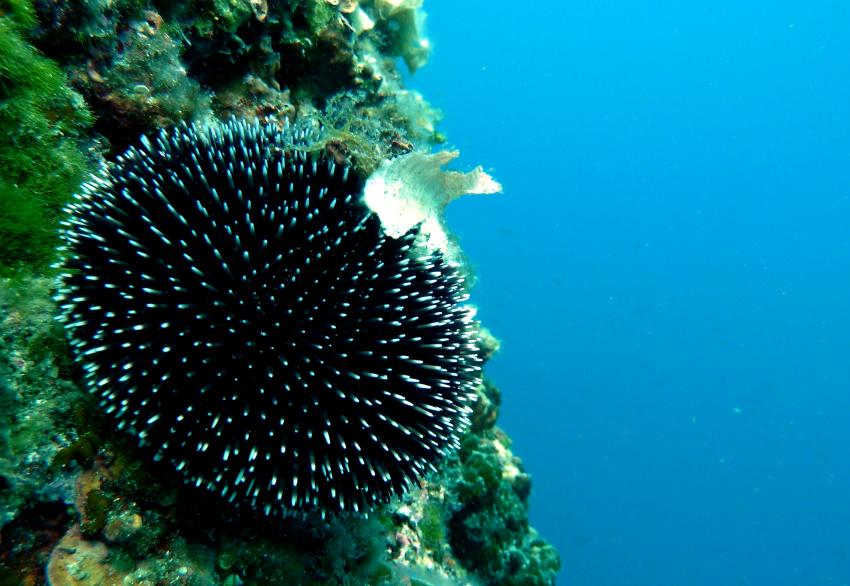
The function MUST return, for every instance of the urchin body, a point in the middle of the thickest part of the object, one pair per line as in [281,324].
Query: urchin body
[237,308]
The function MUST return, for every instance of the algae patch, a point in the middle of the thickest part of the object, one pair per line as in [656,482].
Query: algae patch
[41,122]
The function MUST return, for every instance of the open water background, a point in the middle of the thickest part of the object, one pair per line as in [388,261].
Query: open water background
[669,269]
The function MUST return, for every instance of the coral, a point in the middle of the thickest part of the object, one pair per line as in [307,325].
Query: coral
[40,125]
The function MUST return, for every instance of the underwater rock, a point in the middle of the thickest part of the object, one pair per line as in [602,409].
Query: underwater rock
[37,398]
[403,24]
[76,561]
[144,83]
[82,504]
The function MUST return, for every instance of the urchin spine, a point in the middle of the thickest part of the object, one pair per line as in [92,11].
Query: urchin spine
[235,307]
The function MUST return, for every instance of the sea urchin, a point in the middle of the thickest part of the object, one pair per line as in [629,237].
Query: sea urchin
[237,307]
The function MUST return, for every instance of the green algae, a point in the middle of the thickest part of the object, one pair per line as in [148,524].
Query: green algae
[432,529]
[96,507]
[41,122]
[218,16]
[21,12]
[82,451]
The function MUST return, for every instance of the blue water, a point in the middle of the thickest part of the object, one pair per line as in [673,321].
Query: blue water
[669,269]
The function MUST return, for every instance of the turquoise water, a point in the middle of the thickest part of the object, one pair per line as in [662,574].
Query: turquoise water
[669,269]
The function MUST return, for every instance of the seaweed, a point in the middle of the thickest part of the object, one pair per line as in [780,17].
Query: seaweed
[41,123]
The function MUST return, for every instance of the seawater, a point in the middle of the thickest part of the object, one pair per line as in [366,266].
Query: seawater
[669,270]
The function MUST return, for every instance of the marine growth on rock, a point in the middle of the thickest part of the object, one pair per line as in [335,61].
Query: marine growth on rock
[236,306]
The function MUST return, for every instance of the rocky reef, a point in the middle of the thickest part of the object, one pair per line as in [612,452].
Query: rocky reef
[79,503]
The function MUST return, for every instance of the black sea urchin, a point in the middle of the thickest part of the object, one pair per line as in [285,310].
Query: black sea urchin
[238,308]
